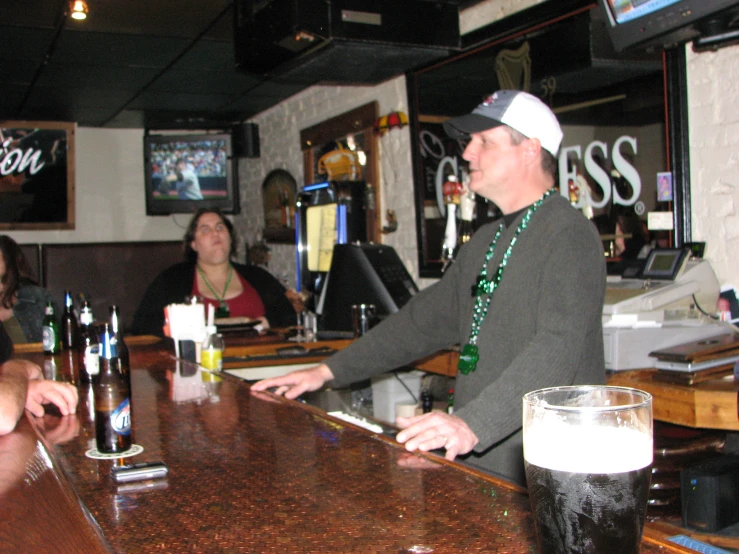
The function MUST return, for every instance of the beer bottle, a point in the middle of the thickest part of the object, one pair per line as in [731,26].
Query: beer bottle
[427,402]
[70,327]
[120,344]
[112,400]
[88,354]
[50,336]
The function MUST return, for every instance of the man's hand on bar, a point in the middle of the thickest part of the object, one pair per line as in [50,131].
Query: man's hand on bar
[296,383]
[436,430]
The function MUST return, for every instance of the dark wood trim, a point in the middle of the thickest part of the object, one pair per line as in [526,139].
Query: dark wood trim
[353,121]
[360,120]
[678,140]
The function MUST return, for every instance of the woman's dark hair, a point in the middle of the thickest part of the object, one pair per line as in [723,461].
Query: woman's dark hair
[17,270]
[190,254]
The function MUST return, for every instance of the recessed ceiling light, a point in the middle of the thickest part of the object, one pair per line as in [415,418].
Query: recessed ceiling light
[78,9]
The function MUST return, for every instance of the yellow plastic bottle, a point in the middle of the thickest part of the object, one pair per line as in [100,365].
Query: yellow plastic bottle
[211,353]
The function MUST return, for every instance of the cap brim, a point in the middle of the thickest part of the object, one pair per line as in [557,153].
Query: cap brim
[464,125]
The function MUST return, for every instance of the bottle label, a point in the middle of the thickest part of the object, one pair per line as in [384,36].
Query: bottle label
[212,359]
[86,318]
[48,338]
[120,419]
[92,359]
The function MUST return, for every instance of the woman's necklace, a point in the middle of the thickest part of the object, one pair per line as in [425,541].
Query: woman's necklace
[484,289]
[223,310]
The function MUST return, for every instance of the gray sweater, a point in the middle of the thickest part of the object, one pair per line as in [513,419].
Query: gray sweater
[543,328]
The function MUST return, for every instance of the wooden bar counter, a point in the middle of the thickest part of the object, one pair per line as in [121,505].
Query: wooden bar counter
[248,472]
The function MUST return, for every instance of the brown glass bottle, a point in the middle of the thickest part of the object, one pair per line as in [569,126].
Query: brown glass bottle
[112,400]
[88,355]
[70,326]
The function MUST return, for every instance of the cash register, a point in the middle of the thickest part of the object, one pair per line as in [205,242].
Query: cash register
[669,301]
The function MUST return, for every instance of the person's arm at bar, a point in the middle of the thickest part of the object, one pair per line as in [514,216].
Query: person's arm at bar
[14,378]
[21,387]
[296,383]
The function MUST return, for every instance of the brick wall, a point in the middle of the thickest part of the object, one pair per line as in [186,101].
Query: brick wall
[713,98]
[279,130]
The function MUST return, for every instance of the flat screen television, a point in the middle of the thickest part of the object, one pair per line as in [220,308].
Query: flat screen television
[187,172]
[659,23]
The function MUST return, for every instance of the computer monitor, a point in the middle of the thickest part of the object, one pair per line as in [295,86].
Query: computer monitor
[363,274]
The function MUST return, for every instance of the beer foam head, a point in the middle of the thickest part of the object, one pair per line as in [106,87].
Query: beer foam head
[587,449]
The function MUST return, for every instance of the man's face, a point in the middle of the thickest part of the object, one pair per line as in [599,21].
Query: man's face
[494,163]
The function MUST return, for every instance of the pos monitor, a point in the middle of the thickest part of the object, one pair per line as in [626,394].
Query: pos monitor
[363,274]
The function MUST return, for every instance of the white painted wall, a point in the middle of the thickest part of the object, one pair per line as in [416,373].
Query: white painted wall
[110,201]
[713,99]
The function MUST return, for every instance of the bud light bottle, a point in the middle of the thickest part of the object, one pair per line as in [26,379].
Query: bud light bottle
[112,401]
[88,348]
[124,358]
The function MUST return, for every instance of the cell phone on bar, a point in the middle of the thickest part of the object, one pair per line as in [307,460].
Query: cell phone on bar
[139,472]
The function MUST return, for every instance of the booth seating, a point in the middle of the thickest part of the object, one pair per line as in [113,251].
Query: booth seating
[106,273]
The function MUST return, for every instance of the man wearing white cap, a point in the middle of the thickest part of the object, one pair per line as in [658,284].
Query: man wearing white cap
[523,299]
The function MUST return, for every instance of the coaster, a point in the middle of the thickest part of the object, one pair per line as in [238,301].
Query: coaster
[97,455]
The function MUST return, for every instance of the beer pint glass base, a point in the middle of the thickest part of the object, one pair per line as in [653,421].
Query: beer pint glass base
[588,455]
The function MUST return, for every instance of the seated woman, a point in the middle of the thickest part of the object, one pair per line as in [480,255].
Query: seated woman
[235,290]
[22,300]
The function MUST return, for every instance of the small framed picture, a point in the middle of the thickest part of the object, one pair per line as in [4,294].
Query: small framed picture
[664,187]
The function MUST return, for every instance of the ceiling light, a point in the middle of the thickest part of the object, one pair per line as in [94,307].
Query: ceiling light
[78,9]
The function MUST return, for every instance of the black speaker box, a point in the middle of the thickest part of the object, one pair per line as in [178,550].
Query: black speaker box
[342,41]
[709,494]
[246,140]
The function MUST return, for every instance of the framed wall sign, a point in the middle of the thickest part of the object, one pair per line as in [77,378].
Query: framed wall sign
[36,175]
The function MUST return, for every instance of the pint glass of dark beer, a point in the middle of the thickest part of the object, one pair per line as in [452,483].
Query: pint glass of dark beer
[588,457]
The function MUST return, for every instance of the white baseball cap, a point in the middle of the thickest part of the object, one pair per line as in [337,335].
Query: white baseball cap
[518,110]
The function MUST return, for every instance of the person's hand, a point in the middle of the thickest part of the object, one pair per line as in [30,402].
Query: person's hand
[436,430]
[414,461]
[296,299]
[296,383]
[59,430]
[33,371]
[42,391]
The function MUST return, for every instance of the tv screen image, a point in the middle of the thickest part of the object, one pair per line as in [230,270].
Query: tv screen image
[187,172]
[656,24]
[626,10]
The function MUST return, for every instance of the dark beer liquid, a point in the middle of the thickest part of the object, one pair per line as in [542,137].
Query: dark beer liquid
[588,513]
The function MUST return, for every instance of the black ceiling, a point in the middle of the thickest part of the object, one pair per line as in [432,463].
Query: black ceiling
[154,64]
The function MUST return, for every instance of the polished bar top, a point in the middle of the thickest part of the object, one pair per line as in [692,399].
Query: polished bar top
[248,472]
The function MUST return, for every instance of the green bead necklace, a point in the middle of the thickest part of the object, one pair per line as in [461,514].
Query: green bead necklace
[222,310]
[485,288]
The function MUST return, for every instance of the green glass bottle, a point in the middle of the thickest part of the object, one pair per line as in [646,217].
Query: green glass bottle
[51,337]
